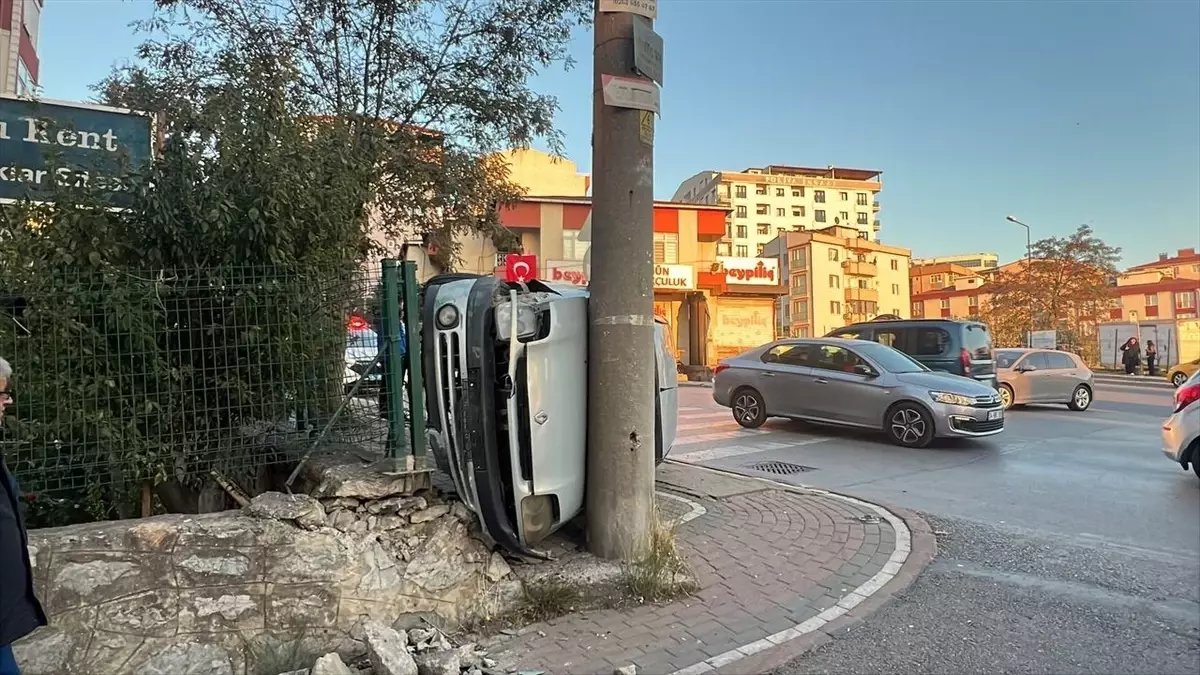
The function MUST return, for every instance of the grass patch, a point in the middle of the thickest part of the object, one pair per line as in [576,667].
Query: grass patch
[545,600]
[663,574]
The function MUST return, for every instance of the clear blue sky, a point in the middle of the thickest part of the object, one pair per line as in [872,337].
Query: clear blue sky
[1060,113]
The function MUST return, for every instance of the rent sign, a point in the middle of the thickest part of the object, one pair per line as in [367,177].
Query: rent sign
[69,145]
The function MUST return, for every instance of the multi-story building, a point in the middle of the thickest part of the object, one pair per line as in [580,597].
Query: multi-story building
[1163,290]
[971,261]
[767,202]
[946,290]
[835,277]
[19,22]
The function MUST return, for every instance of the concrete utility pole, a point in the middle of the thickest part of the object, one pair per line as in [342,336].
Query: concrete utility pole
[621,369]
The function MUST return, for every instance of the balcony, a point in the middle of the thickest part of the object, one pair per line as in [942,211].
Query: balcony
[862,294]
[851,317]
[859,268]
[875,205]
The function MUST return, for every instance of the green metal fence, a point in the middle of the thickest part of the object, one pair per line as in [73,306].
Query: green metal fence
[139,390]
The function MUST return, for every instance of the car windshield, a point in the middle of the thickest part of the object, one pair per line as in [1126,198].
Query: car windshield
[363,337]
[1005,358]
[891,360]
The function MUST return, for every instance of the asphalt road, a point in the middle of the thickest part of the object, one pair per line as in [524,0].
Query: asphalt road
[1067,544]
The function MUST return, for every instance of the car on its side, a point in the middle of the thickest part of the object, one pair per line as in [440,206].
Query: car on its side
[506,398]
[949,345]
[1181,431]
[1180,372]
[1044,376]
[858,383]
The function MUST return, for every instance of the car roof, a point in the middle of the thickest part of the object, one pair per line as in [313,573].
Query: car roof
[824,341]
[879,322]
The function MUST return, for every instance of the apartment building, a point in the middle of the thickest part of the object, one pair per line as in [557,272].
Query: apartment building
[835,276]
[1163,290]
[770,201]
[971,261]
[19,24]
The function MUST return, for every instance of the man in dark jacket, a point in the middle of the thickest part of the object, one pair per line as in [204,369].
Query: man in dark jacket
[20,612]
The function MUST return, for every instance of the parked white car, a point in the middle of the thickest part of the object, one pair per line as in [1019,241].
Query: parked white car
[1181,431]
[362,346]
[507,419]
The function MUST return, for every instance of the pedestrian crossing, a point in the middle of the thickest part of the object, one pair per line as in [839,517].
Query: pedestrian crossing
[708,433]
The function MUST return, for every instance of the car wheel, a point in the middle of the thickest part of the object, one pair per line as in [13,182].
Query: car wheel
[1178,379]
[910,425]
[1081,398]
[749,409]
[1006,396]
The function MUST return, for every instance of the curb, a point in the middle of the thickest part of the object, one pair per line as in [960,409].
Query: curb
[1135,381]
[707,385]
[916,547]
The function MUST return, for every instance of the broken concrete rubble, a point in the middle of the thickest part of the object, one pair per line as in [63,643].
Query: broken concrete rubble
[192,593]
[388,650]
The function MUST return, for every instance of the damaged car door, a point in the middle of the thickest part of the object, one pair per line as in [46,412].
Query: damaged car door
[506,390]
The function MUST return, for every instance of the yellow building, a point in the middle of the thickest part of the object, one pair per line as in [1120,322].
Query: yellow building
[836,277]
[544,175]
[765,203]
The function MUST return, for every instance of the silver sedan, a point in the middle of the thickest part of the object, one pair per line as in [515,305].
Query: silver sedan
[855,383]
[1044,376]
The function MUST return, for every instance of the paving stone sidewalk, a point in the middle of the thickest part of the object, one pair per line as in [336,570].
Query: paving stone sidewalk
[773,565]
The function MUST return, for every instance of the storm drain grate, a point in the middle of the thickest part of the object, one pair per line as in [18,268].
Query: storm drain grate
[780,468]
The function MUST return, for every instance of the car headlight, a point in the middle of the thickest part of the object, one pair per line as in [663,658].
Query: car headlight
[527,324]
[447,316]
[951,399]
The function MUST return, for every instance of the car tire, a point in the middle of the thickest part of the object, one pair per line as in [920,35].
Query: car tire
[1178,379]
[1006,396]
[909,425]
[1081,398]
[749,408]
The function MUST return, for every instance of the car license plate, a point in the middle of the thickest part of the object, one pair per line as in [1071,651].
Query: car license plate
[995,415]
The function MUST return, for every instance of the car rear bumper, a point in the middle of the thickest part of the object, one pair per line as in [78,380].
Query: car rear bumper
[1177,436]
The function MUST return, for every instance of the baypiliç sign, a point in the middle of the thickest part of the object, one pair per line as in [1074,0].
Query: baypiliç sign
[44,145]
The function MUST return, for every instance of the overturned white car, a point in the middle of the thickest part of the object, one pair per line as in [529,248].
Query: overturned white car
[508,417]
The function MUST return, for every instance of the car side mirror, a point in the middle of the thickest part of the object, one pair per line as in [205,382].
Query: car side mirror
[865,371]
[1026,369]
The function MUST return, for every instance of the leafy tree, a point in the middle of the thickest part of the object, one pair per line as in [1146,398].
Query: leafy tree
[1066,287]
[429,90]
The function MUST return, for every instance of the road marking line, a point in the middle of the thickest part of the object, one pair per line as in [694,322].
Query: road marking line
[871,586]
[731,451]
[724,435]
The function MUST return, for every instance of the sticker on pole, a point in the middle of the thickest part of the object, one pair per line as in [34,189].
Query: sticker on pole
[629,92]
[646,8]
[646,126]
[520,268]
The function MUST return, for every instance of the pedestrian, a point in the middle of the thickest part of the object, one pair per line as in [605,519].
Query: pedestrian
[1131,355]
[20,612]
[1151,358]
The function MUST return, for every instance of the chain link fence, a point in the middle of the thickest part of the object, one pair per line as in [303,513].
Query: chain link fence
[133,385]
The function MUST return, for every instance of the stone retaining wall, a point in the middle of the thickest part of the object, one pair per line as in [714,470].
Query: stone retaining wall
[207,593]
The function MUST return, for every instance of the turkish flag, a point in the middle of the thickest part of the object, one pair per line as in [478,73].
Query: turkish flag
[520,268]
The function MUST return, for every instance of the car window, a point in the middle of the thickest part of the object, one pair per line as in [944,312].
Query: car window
[892,337]
[1036,360]
[977,340]
[1005,358]
[832,357]
[891,359]
[931,342]
[1061,361]
[789,354]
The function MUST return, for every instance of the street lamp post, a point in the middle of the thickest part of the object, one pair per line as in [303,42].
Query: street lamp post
[1028,268]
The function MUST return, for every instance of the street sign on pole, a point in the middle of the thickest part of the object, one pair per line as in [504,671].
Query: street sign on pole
[646,129]
[647,50]
[629,92]
[646,8]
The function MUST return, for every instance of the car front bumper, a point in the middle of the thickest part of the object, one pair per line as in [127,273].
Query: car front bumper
[967,421]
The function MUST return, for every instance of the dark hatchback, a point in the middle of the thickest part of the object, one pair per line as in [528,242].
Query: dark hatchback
[959,347]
